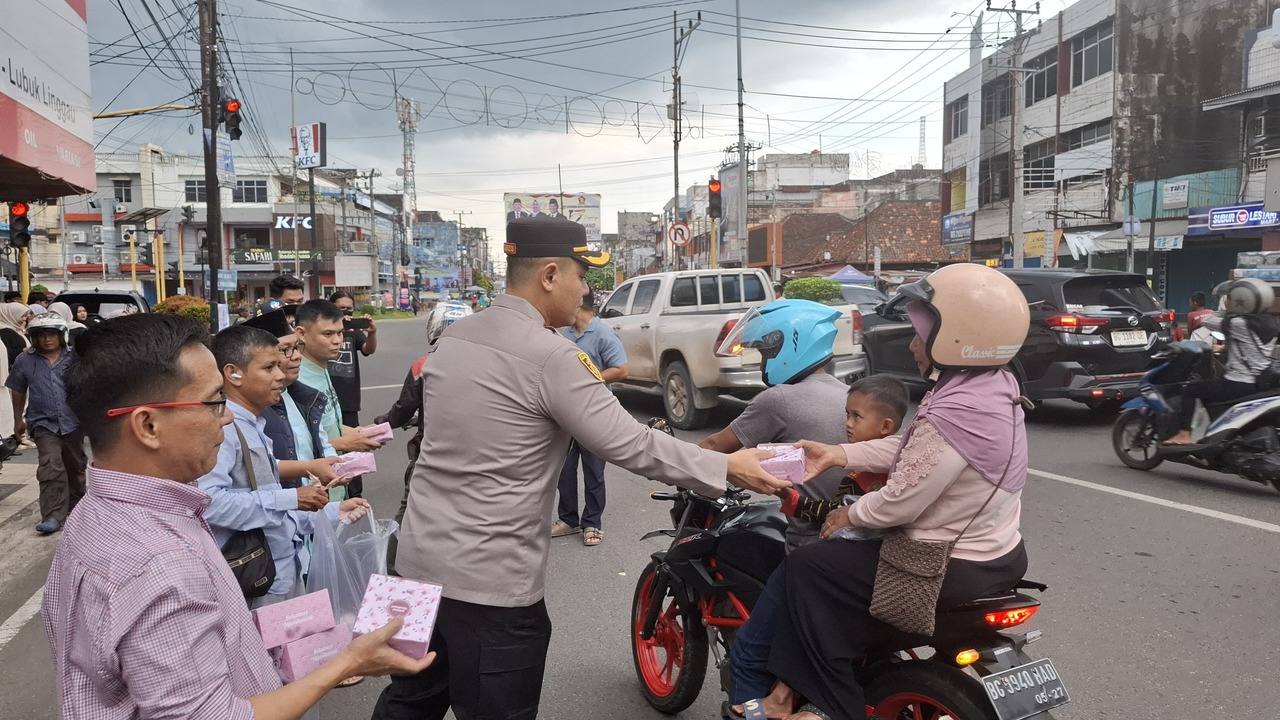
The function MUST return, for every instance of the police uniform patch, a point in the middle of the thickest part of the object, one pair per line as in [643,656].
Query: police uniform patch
[590,366]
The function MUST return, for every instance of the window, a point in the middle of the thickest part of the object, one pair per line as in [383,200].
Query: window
[709,290]
[958,117]
[123,190]
[249,191]
[752,288]
[1087,134]
[1122,291]
[1091,53]
[731,288]
[1042,81]
[1037,165]
[996,100]
[617,305]
[993,179]
[684,293]
[195,191]
[646,291]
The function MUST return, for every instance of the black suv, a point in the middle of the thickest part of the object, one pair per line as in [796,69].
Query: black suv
[1092,335]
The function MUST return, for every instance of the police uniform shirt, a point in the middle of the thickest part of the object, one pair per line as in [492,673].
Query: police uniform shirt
[502,395]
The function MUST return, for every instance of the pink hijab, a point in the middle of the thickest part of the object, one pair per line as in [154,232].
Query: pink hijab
[979,413]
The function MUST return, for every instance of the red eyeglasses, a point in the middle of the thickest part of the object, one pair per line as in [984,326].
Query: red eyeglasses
[218,405]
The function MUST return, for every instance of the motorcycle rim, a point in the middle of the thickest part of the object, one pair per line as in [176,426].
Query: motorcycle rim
[660,659]
[1136,442]
[913,706]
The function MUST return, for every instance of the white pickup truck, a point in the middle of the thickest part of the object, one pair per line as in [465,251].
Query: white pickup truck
[671,323]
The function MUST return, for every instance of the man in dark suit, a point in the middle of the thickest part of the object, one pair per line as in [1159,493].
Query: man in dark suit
[517,211]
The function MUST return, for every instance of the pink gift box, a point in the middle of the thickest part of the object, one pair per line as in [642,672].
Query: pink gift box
[417,602]
[355,463]
[380,432]
[787,462]
[294,618]
[300,657]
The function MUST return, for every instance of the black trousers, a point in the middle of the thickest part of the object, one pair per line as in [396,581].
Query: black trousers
[355,488]
[489,666]
[827,625]
[592,483]
[1211,391]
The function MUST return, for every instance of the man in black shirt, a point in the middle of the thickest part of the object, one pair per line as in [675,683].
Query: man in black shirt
[345,371]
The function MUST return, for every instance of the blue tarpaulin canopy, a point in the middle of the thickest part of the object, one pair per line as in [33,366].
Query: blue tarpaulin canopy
[849,275]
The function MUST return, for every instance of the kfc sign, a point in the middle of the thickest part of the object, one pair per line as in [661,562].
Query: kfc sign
[290,222]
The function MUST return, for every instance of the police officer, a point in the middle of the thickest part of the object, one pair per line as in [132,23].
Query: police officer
[502,395]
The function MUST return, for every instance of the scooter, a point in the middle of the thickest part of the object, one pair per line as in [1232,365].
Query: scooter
[692,597]
[1241,438]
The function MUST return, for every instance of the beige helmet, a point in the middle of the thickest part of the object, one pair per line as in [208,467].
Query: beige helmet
[981,318]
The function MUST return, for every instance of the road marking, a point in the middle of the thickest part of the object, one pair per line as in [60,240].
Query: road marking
[382,387]
[15,622]
[1215,514]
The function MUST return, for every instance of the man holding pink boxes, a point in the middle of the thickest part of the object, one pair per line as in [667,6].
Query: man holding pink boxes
[143,616]
[502,396]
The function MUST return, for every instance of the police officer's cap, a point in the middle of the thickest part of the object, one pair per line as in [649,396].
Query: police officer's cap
[277,322]
[551,238]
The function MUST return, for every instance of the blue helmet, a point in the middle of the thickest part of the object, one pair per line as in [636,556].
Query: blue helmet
[792,336]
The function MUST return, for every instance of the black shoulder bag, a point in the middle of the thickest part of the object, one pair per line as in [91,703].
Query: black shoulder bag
[247,551]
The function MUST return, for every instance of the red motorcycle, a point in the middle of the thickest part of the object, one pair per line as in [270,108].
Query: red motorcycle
[694,595]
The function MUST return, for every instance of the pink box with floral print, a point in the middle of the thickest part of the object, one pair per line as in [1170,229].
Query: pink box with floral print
[787,462]
[294,618]
[300,657]
[355,463]
[381,432]
[417,602]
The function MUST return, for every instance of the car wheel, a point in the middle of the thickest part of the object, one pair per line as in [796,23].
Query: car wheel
[678,394]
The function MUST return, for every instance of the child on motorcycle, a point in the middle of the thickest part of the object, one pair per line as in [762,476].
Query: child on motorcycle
[875,407]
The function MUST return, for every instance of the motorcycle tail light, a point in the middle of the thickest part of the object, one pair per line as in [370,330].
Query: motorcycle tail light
[965,658]
[1009,618]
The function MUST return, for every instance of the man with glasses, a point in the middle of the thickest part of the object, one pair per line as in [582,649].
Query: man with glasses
[245,483]
[142,614]
[320,328]
[359,337]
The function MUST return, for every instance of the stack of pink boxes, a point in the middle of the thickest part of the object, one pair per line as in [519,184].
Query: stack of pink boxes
[787,462]
[355,463]
[417,602]
[301,634]
[381,432]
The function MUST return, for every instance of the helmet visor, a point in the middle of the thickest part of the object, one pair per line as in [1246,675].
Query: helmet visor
[732,344]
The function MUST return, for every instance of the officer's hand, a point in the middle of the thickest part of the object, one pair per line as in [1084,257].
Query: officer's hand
[352,440]
[312,497]
[746,473]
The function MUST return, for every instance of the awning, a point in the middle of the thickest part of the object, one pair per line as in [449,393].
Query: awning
[1114,240]
[1256,93]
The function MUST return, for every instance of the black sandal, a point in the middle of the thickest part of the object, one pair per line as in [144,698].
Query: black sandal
[811,708]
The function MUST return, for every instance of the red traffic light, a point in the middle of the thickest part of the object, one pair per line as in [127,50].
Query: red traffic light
[19,209]
[231,106]
[714,186]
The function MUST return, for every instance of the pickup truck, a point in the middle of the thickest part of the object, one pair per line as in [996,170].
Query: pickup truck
[671,324]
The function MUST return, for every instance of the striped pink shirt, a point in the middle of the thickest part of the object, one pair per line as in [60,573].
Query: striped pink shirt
[143,615]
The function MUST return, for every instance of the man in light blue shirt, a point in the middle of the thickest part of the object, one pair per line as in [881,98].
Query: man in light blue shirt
[603,349]
[250,364]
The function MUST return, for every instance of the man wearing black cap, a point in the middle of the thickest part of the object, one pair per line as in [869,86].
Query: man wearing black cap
[502,395]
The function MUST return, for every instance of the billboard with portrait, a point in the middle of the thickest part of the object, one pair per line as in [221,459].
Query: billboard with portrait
[582,208]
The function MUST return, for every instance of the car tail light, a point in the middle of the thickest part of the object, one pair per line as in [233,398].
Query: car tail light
[1166,316]
[724,333]
[1011,617]
[856,316]
[1075,323]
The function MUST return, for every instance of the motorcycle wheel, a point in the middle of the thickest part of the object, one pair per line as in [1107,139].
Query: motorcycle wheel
[672,664]
[1136,441]
[926,689]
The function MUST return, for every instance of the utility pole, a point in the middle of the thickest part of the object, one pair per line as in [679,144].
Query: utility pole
[373,228]
[1154,275]
[1128,230]
[1016,236]
[209,114]
[409,115]
[464,253]
[676,109]
[742,142]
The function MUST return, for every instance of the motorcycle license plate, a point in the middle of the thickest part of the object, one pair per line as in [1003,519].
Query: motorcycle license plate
[1128,338]
[1025,691]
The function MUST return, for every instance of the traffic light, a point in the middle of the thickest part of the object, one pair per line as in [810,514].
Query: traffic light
[19,224]
[231,116]
[188,214]
[713,198]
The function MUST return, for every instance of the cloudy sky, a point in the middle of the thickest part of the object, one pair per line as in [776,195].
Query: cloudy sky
[493,78]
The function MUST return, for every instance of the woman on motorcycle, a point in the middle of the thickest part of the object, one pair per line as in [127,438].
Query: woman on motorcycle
[1251,332]
[957,478]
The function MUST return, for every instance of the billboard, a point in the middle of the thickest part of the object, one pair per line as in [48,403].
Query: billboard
[730,202]
[582,208]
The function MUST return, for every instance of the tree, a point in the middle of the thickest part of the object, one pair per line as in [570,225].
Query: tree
[479,279]
[816,289]
[186,306]
[600,278]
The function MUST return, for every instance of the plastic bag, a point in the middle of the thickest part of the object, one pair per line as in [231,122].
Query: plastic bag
[855,533]
[344,555]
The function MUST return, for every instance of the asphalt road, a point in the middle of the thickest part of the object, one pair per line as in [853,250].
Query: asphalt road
[1162,603]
